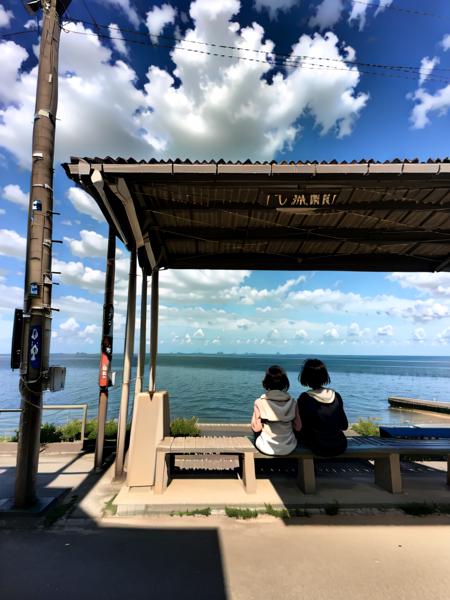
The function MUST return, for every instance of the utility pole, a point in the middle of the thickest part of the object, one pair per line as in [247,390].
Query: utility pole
[38,270]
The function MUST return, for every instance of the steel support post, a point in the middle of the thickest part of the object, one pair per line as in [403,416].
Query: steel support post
[154,328]
[142,337]
[127,359]
[106,348]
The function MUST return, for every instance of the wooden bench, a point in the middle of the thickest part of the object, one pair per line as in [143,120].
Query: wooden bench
[204,446]
[385,452]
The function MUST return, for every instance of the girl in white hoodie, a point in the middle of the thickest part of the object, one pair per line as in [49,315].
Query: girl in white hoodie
[275,415]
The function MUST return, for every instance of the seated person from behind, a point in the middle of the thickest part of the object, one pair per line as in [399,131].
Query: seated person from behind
[322,412]
[275,415]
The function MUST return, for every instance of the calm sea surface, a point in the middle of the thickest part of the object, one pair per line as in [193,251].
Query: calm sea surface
[223,388]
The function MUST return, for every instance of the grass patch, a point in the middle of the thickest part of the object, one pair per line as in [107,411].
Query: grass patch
[366,427]
[240,513]
[206,512]
[59,511]
[280,513]
[110,509]
[182,427]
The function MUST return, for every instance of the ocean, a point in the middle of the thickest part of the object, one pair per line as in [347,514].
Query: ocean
[222,388]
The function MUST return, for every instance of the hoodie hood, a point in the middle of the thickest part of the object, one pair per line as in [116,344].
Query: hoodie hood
[324,395]
[276,405]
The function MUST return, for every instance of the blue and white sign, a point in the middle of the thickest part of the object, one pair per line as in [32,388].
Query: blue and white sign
[35,346]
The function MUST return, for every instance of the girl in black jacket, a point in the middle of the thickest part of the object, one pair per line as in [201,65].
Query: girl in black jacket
[321,412]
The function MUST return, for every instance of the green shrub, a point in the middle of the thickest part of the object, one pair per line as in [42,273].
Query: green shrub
[280,513]
[185,427]
[111,429]
[206,512]
[366,427]
[71,431]
[50,433]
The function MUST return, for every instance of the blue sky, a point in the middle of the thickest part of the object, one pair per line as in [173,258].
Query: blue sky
[130,85]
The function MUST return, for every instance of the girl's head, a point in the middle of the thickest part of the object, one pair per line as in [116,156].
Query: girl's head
[276,379]
[314,374]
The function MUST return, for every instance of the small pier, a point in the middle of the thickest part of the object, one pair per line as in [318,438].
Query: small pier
[417,404]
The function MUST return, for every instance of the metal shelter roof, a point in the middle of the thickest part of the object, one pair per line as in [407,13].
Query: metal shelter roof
[359,216]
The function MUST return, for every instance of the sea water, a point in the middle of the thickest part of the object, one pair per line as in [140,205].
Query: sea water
[222,388]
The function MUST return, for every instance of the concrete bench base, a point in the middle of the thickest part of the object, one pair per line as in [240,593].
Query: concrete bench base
[205,446]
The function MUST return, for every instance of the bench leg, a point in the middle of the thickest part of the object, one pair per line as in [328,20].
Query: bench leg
[161,472]
[248,473]
[306,477]
[387,473]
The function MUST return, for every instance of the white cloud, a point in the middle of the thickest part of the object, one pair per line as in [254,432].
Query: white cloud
[356,331]
[195,286]
[12,244]
[331,334]
[445,42]
[13,193]
[78,307]
[274,6]
[301,334]
[430,283]
[84,203]
[328,13]
[427,103]
[426,68]
[10,297]
[158,18]
[128,9]
[444,336]
[91,244]
[2,211]
[117,39]
[419,334]
[30,24]
[386,330]
[199,334]
[78,275]
[70,325]
[211,107]
[360,9]
[6,16]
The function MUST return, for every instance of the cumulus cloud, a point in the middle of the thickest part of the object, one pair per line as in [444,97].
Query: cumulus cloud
[356,331]
[208,107]
[70,325]
[331,334]
[419,334]
[79,275]
[430,283]
[84,203]
[427,103]
[426,68]
[199,334]
[273,7]
[6,16]
[158,18]
[444,336]
[386,330]
[127,8]
[117,39]
[445,42]
[301,334]
[91,244]
[360,10]
[12,244]
[13,193]
[11,296]
[195,286]
[328,13]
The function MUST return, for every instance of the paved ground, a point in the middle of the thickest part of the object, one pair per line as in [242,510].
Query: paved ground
[213,558]
[366,555]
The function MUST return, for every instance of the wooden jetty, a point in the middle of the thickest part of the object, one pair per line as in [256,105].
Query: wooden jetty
[416,404]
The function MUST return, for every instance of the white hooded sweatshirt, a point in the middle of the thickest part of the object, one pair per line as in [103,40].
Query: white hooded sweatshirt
[276,411]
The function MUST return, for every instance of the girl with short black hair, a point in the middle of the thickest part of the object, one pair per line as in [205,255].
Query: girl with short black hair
[275,415]
[321,411]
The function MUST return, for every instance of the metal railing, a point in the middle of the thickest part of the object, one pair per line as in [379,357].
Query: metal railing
[83,407]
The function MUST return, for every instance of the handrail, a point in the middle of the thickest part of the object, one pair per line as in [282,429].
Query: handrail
[83,407]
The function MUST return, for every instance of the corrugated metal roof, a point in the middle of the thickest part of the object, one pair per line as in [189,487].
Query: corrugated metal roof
[358,215]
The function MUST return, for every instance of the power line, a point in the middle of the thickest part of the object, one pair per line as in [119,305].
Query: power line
[283,56]
[5,35]
[409,11]
[268,60]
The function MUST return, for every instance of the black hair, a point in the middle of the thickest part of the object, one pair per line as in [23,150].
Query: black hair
[314,374]
[276,379]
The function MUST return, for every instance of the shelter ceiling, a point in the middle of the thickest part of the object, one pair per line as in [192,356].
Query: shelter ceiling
[364,216]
